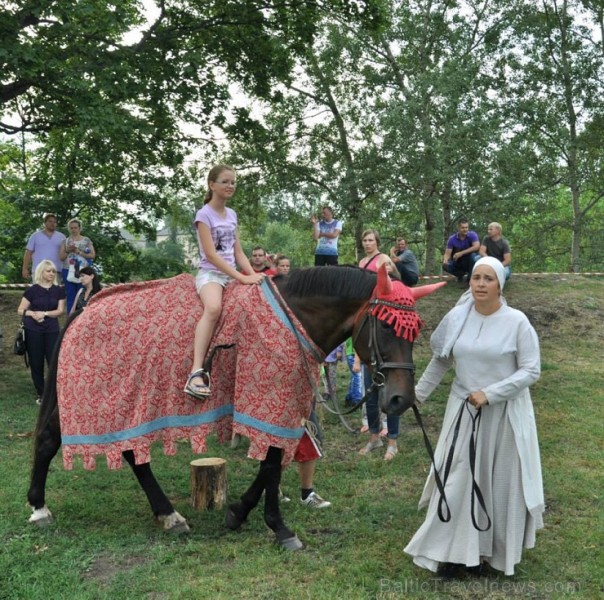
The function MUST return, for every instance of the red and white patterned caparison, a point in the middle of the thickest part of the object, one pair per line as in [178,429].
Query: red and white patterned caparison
[125,359]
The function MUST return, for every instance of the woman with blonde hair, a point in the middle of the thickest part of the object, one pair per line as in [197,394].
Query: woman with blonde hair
[41,305]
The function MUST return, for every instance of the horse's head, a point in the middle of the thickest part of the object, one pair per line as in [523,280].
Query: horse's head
[383,336]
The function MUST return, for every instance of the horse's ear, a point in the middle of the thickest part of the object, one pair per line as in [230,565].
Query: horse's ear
[426,290]
[384,285]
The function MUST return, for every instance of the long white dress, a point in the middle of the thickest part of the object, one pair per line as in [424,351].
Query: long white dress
[498,354]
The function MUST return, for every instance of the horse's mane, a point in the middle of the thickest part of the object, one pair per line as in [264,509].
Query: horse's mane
[343,281]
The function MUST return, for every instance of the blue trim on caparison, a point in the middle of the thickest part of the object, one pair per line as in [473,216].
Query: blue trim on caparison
[276,430]
[269,296]
[150,427]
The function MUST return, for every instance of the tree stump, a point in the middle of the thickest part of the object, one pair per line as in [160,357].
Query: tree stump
[208,483]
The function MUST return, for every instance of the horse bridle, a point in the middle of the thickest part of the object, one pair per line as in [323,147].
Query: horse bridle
[378,364]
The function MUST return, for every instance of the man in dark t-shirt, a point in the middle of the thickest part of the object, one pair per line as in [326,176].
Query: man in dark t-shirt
[405,262]
[495,245]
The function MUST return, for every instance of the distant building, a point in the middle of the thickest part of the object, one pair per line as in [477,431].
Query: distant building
[184,238]
[138,241]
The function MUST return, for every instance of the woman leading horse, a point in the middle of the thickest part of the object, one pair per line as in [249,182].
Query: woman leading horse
[115,388]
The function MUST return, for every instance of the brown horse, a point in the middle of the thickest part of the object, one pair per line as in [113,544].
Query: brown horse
[115,384]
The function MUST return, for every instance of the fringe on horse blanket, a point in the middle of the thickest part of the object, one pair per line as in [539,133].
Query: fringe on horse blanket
[124,361]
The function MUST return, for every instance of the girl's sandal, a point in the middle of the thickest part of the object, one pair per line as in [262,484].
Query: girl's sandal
[391,452]
[370,446]
[199,391]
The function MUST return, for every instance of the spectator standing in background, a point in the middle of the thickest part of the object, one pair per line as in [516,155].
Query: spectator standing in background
[282,264]
[44,244]
[90,286]
[326,233]
[259,261]
[372,261]
[76,253]
[41,305]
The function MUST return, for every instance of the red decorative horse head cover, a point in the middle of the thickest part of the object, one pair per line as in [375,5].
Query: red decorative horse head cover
[394,303]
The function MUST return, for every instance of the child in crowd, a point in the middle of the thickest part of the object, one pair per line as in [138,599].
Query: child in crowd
[282,264]
[331,370]
[355,385]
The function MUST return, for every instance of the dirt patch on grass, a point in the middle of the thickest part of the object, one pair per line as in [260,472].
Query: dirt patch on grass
[9,321]
[103,569]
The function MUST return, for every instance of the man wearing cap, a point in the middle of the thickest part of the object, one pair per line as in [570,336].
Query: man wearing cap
[45,244]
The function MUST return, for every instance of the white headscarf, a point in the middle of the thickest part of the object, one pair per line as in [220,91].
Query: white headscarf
[496,266]
[445,335]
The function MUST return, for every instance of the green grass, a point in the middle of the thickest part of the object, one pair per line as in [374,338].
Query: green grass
[105,545]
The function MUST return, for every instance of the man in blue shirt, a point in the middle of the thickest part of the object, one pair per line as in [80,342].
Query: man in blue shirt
[44,244]
[462,251]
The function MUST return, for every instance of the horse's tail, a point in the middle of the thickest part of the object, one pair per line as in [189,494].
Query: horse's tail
[49,397]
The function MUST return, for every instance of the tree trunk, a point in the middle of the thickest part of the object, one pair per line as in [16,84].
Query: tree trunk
[575,251]
[572,160]
[431,242]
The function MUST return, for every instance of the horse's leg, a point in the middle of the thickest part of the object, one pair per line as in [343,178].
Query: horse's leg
[46,446]
[267,480]
[160,505]
[237,512]
[272,513]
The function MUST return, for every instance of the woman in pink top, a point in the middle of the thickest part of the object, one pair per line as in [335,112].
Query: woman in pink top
[372,261]
[219,254]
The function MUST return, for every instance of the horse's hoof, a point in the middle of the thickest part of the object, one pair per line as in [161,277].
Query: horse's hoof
[41,516]
[174,523]
[291,543]
[231,520]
